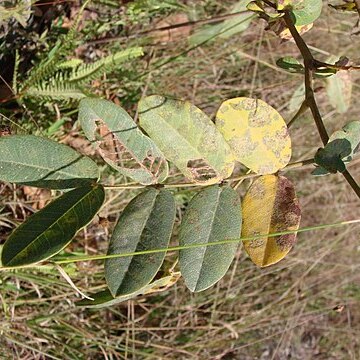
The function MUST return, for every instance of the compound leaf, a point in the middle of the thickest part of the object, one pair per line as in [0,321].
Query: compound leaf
[256,133]
[104,298]
[214,214]
[36,161]
[145,224]
[187,137]
[270,206]
[49,230]
[120,142]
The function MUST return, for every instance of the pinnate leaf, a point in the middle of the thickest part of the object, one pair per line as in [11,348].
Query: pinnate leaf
[270,206]
[145,224]
[49,230]
[187,137]
[212,215]
[36,161]
[120,142]
[256,133]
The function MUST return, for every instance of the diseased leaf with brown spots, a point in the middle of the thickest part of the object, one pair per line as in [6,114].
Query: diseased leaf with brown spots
[187,137]
[121,143]
[270,206]
[256,133]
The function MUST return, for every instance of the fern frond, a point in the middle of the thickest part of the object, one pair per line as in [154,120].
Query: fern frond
[49,65]
[70,64]
[87,72]
[56,91]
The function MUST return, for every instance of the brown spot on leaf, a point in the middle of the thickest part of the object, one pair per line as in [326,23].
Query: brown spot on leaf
[201,170]
[111,148]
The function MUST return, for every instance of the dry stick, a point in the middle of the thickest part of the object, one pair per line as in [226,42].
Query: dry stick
[175,26]
[309,64]
[357,5]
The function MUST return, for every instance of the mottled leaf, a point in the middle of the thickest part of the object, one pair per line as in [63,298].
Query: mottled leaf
[224,29]
[36,161]
[339,90]
[270,206]
[284,33]
[212,215]
[49,230]
[145,224]
[303,11]
[256,133]
[105,299]
[187,137]
[120,142]
[340,149]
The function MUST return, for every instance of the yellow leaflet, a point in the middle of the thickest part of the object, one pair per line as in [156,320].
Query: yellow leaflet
[256,133]
[269,206]
[302,29]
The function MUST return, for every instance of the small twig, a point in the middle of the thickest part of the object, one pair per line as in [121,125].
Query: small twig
[302,109]
[320,64]
[352,182]
[357,5]
[64,274]
[174,26]
[292,166]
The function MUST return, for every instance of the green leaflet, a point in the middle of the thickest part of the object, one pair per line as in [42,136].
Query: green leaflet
[121,143]
[339,90]
[36,161]
[290,64]
[340,149]
[104,298]
[48,231]
[187,137]
[145,224]
[213,214]
[303,11]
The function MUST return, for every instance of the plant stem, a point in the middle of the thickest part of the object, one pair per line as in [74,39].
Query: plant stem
[292,166]
[192,246]
[310,66]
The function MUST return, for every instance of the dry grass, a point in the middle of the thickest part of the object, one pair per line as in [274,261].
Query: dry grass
[305,307]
